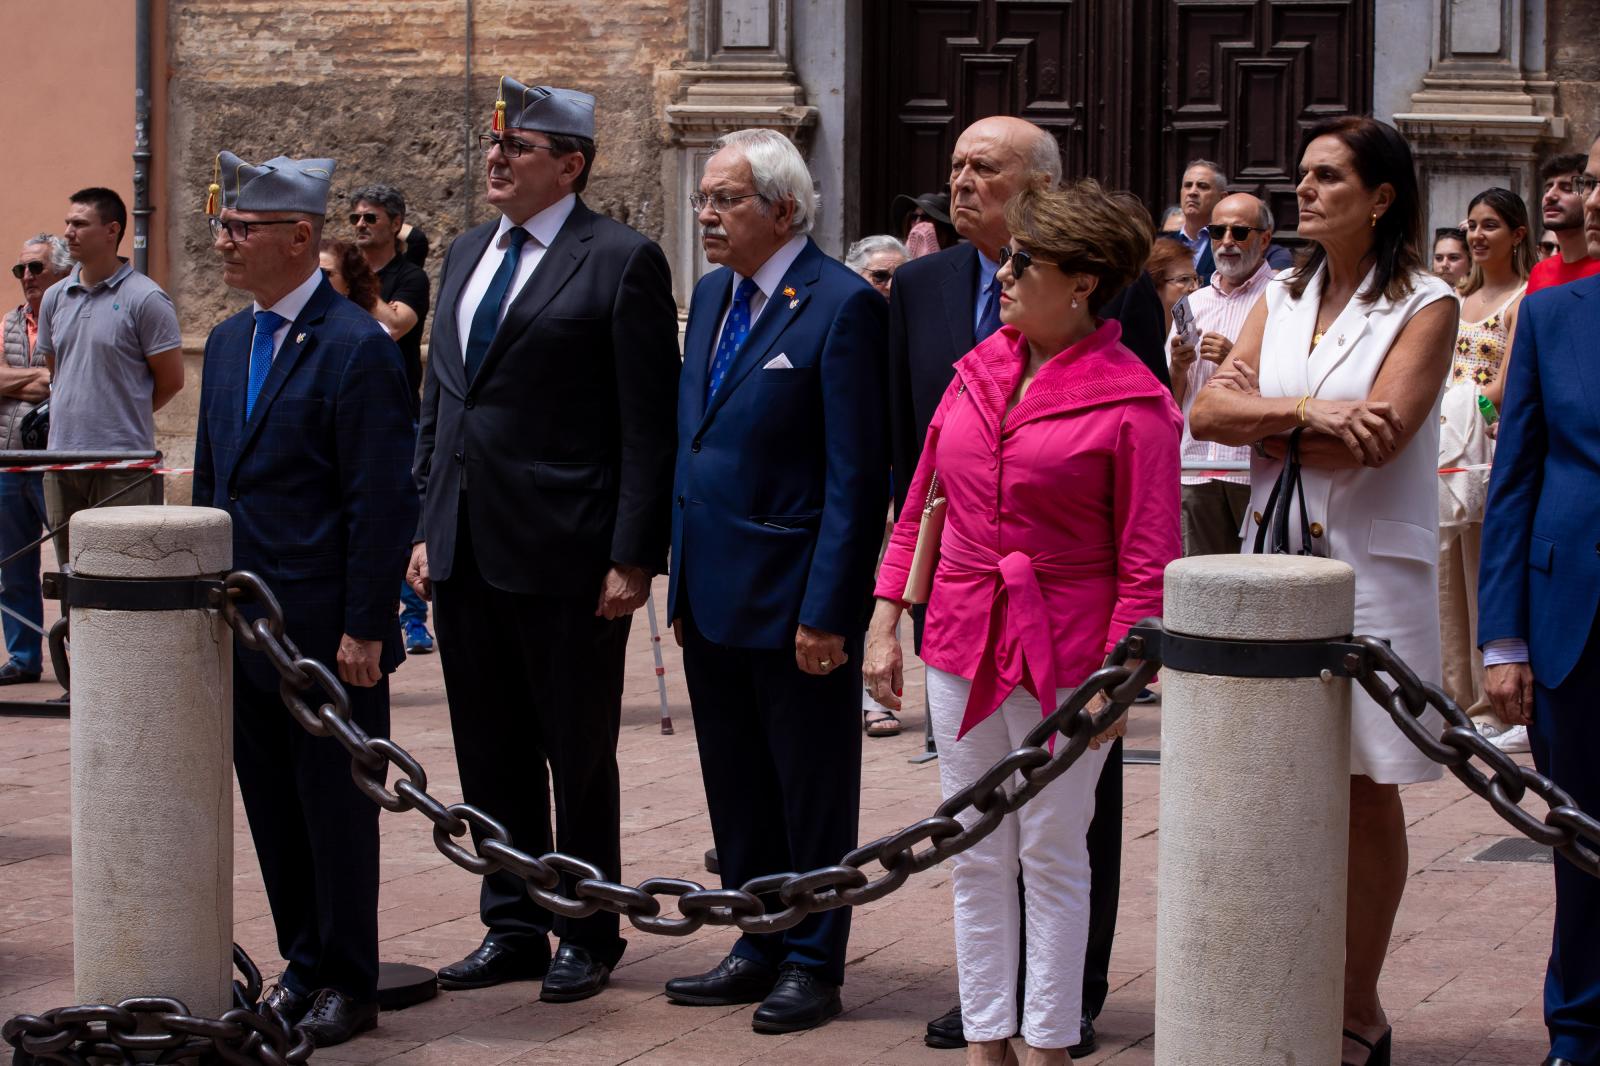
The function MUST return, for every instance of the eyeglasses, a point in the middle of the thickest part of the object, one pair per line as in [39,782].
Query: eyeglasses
[1240,233]
[1188,281]
[358,217]
[1584,185]
[238,230]
[880,277]
[1020,262]
[510,147]
[718,202]
[32,266]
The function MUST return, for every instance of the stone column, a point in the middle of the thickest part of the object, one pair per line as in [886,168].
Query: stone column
[740,74]
[1255,792]
[152,767]
[1485,114]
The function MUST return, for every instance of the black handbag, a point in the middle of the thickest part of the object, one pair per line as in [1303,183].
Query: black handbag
[34,429]
[1272,532]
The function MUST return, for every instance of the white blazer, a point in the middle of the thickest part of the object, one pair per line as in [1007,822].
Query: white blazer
[1383,521]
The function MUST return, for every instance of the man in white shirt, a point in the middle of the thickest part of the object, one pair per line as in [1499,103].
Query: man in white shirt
[1214,503]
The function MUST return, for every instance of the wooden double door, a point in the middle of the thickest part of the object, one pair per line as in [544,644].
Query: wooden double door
[1132,89]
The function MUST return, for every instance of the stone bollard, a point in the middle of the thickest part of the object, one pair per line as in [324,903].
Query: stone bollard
[152,767]
[1255,811]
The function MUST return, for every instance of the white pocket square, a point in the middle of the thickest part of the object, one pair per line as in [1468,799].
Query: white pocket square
[779,362]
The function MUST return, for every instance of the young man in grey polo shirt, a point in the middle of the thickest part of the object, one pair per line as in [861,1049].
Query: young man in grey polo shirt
[111,339]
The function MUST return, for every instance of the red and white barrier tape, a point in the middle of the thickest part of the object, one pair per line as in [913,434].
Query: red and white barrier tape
[116,464]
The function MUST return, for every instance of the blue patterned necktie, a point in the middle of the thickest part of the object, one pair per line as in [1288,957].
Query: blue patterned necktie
[734,334]
[267,324]
[486,319]
[991,310]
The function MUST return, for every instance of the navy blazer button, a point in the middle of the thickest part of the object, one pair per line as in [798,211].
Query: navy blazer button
[694,446]
[458,457]
[680,501]
[233,494]
[471,403]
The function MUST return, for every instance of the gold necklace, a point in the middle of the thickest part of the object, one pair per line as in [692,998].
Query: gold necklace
[1316,338]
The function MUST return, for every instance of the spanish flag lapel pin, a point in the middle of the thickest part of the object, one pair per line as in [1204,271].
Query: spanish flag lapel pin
[794,301]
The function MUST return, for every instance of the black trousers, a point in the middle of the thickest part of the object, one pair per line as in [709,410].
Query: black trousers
[315,836]
[780,753]
[535,691]
[1105,881]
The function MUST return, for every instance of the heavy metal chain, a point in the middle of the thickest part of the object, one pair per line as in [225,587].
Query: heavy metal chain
[575,888]
[1565,827]
[148,1029]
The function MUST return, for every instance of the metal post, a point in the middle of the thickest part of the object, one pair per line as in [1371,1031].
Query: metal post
[1255,787]
[141,137]
[152,759]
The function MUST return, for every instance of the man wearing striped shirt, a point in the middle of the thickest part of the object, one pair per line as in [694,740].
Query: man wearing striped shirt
[1215,502]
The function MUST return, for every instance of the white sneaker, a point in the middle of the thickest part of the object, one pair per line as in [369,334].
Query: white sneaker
[1488,726]
[1512,740]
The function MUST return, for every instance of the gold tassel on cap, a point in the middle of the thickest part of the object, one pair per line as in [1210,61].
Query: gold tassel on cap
[214,191]
[499,123]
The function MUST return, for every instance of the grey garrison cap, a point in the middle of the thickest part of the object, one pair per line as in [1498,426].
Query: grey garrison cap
[279,184]
[546,109]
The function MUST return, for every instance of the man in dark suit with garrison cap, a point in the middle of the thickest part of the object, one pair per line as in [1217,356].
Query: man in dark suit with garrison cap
[302,440]
[545,459]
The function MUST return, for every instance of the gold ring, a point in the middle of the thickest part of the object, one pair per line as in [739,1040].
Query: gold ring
[824,663]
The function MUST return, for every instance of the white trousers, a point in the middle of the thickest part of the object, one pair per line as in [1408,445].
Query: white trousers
[1046,841]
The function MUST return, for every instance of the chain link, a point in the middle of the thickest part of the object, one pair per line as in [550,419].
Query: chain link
[1566,828]
[133,1030]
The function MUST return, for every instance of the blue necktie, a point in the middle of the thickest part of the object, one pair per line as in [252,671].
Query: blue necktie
[486,319]
[734,333]
[991,310]
[267,324]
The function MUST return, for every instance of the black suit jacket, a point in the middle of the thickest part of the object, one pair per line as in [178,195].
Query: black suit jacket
[564,442]
[931,310]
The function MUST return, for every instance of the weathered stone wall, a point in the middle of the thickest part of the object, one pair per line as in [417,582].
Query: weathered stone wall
[381,87]
[1573,37]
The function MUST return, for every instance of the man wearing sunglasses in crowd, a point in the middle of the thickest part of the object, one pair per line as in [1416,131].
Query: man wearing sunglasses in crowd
[24,382]
[1240,233]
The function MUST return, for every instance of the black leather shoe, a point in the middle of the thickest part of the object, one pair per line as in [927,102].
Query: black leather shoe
[734,980]
[495,963]
[1555,1061]
[944,1032]
[12,674]
[800,1000]
[573,975]
[334,1017]
[1086,1041]
[289,1003]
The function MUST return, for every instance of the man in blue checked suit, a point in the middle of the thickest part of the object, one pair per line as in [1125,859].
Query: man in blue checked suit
[1539,600]
[304,439]
[781,488]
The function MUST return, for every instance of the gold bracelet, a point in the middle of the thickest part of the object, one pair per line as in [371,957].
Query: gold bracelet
[1300,410]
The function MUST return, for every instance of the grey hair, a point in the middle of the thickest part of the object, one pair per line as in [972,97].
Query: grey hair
[387,197]
[60,258]
[778,170]
[1221,175]
[1044,157]
[1266,222]
[867,247]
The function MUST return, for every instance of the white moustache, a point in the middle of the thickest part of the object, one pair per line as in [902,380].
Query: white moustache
[714,231]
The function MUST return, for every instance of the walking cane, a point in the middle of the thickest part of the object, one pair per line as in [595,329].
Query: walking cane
[661,671]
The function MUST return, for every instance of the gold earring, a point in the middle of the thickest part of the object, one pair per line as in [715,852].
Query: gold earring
[1074,303]
[1374,220]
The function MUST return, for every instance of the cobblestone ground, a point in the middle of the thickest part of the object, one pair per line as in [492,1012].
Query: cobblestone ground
[1462,983]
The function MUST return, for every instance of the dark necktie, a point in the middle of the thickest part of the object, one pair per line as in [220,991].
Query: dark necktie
[267,324]
[991,310]
[486,319]
[734,334]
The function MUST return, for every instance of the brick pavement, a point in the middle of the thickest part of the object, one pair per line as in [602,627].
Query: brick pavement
[1462,984]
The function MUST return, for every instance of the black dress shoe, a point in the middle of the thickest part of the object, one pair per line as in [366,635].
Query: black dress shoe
[494,963]
[800,1000]
[1555,1061]
[1086,1040]
[944,1032]
[334,1017]
[734,980]
[573,975]
[289,1003]
[12,674]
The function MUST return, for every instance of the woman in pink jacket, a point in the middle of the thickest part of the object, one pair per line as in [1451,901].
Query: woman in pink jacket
[1058,453]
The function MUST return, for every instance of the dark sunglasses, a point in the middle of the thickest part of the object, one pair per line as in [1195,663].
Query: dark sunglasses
[1020,262]
[880,277]
[1240,233]
[358,217]
[33,266]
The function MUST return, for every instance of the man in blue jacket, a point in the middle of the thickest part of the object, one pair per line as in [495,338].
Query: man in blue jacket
[305,440]
[778,505]
[1538,589]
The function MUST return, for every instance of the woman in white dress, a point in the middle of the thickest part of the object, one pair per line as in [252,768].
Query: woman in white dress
[1352,348]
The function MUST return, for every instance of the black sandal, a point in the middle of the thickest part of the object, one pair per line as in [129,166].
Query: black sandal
[1380,1050]
[885,724]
